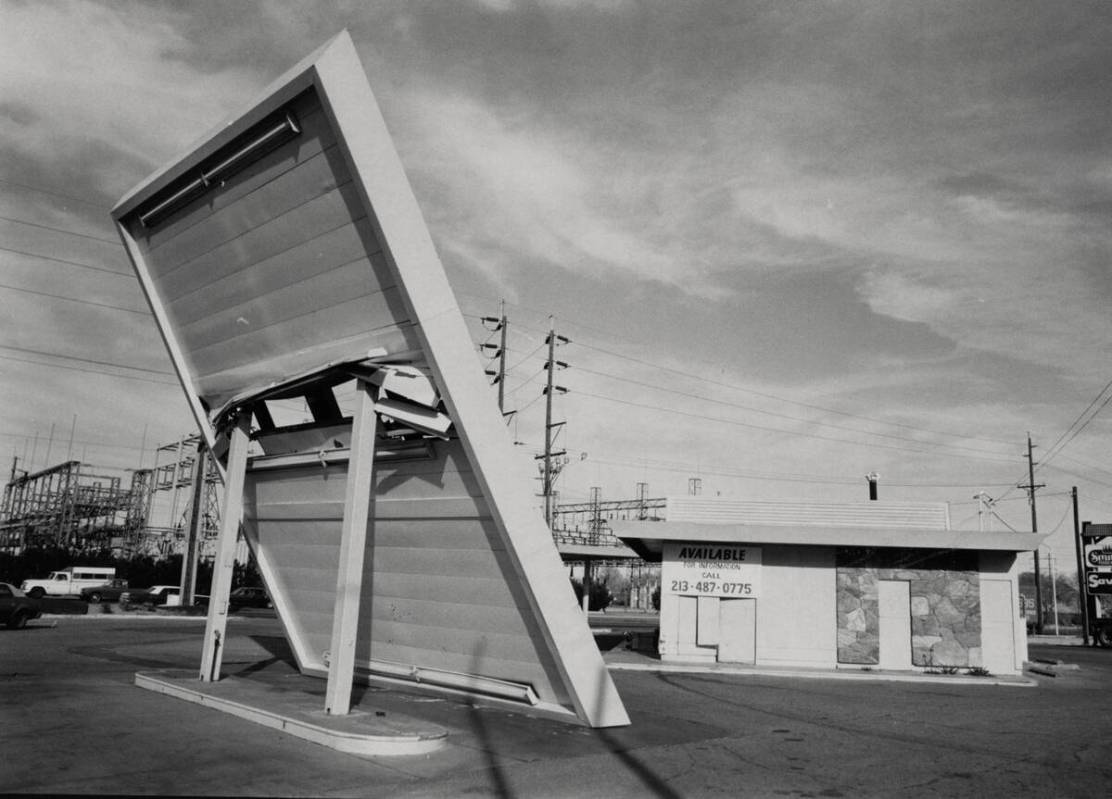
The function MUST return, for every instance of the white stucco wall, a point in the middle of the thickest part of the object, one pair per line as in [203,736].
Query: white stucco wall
[1003,567]
[796,623]
[796,612]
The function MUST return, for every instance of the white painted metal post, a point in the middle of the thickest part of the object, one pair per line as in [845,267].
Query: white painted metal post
[358,498]
[216,625]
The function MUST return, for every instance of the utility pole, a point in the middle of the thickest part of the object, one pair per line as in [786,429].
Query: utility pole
[1031,487]
[1053,587]
[500,325]
[642,512]
[549,426]
[1082,599]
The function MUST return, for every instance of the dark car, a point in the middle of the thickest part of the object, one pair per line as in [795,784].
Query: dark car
[239,598]
[248,597]
[150,597]
[109,592]
[1102,631]
[16,608]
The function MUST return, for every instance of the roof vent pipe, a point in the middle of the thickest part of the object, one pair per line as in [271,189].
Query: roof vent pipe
[872,477]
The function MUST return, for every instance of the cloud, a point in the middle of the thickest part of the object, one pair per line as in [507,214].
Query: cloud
[78,76]
[902,297]
[525,193]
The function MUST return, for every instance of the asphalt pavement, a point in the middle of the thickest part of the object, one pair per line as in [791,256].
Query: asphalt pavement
[74,722]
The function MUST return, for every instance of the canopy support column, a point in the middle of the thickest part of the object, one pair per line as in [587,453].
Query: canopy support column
[358,513]
[216,626]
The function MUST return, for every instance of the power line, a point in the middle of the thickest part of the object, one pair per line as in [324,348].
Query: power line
[530,403]
[527,381]
[525,358]
[978,453]
[788,477]
[780,415]
[687,468]
[87,371]
[738,423]
[1060,521]
[1001,520]
[1084,477]
[764,395]
[97,444]
[1063,441]
[1084,464]
[777,398]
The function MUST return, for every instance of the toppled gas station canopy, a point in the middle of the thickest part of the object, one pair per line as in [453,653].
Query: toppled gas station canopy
[285,255]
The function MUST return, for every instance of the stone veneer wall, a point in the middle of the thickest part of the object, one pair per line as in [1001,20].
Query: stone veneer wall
[945,605]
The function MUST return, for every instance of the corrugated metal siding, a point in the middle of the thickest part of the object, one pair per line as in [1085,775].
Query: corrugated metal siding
[719,510]
[438,591]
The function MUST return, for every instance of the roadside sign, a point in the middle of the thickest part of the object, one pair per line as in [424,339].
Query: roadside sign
[1098,582]
[1097,539]
[1098,554]
[729,571]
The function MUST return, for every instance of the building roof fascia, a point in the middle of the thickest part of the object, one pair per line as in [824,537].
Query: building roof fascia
[649,536]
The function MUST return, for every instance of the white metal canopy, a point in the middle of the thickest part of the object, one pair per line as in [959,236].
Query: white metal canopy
[286,252]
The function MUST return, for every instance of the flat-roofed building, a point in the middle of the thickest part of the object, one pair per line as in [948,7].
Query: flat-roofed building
[867,585]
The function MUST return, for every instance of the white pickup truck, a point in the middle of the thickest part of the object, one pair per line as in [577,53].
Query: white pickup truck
[69,581]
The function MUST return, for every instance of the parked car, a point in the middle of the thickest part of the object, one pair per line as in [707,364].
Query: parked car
[1101,630]
[108,592]
[151,597]
[239,598]
[69,581]
[16,608]
[248,597]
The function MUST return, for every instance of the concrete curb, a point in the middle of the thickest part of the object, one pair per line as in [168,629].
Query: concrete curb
[299,714]
[1056,640]
[121,617]
[855,674]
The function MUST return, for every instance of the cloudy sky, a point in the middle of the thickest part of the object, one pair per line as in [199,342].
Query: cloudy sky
[791,242]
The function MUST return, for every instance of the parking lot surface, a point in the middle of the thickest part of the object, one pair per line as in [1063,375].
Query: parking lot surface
[73,722]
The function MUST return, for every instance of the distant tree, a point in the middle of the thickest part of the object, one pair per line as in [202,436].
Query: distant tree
[1064,585]
[600,598]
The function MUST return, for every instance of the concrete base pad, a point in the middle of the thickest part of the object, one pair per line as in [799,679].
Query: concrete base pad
[301,714]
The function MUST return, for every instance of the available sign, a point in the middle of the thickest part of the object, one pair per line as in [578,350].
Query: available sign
[730,571]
